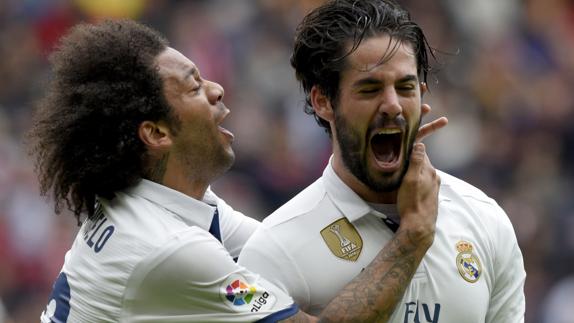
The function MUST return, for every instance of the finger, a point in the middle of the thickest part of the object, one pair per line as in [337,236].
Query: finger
[427,159]
[429,128]
[428,167]
[418,156]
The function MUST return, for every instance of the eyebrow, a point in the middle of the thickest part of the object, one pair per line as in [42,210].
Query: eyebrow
[366,81]
[375,81]
[408,78]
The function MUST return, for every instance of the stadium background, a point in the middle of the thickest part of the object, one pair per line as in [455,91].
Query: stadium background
[505,82]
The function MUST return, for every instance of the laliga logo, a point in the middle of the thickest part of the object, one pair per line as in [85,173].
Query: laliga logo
[239,293]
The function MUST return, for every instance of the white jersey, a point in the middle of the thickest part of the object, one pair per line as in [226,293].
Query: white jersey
[320,240]
[149,256]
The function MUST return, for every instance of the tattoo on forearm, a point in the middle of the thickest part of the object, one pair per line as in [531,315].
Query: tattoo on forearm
[157,171]
[378,294]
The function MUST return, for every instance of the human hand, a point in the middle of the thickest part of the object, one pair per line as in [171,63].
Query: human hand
[417,199]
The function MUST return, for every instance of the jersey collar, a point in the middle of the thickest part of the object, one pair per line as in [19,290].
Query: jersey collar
[350,204]
[190,210]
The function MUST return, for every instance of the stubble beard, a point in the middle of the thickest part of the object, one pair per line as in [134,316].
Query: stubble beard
[207,162]
[355,158]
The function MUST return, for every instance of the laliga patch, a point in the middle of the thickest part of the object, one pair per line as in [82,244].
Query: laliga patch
[467,262]
[343,239]
[240,296]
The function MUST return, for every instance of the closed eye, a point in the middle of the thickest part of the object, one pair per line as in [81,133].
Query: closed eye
[406,88]
[369,90]
[195,90]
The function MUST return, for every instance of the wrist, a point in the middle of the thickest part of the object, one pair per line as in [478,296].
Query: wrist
[418,234]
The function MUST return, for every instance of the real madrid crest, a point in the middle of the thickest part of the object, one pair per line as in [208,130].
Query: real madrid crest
[467,262]
[343,239]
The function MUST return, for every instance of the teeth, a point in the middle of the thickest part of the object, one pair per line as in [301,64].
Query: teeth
[390,131]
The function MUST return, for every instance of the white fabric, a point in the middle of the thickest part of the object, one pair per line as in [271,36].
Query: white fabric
[149,257]
[288,249]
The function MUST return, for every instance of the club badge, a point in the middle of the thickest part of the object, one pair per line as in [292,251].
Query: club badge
[467,262]
[343,239]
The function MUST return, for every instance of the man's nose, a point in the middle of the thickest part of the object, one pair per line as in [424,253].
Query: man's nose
[390,106]
[215,92]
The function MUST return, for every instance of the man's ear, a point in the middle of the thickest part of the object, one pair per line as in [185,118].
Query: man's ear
[424,88]
[321,104]
[155,135]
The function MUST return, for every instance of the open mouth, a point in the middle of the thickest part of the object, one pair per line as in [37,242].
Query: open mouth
[386,146]
[226,132]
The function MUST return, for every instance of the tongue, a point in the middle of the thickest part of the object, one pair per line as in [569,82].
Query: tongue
[383,149]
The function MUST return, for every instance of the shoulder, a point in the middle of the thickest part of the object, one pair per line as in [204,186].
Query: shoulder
[303,203]
[295,225]
[275,234]
[467,196]
[139,218]
[454,185]
[193,253]
[466,199]
[227,213]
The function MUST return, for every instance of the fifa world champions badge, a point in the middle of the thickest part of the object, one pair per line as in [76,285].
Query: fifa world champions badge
[343,239]
[467,262]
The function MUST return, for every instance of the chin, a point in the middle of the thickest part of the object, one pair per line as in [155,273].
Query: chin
[386,185]
[228,159]
[386,182]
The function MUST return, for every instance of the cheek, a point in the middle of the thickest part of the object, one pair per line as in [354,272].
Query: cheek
[355,123]
[412,110]
[357,113]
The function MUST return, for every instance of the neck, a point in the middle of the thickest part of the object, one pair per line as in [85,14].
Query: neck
[191,188]
[169,172]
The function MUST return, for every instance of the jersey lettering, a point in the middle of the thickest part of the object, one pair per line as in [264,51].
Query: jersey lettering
[412,313]
[106,234]
[262,300]
[94,229]
[58,308]
[90,240]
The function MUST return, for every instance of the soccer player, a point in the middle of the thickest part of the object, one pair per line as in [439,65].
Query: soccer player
[129,138]
[363,67]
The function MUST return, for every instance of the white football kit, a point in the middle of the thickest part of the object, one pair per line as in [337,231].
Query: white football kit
[320,240]
[153,254]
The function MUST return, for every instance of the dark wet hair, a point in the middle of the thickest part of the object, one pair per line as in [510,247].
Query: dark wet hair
[322,38]
[84,136]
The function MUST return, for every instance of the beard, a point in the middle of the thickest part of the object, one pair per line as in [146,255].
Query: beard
[354,156]
[205,157]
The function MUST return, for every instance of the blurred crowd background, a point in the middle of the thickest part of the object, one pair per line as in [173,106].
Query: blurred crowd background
[504,77]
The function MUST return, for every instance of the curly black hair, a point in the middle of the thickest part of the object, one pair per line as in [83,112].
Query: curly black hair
[84,137]
[322,39]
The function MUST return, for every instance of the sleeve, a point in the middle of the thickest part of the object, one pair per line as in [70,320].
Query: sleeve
[507,303]
[264,255]
[194,279]
[236,228]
